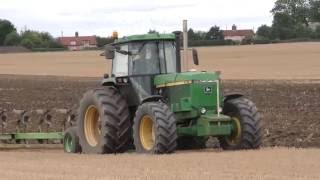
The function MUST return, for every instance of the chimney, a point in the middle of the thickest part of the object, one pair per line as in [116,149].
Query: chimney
[234,27]
[76,34]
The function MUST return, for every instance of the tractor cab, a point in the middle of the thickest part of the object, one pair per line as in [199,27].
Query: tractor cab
[149,54]
[144,58]
[137,60]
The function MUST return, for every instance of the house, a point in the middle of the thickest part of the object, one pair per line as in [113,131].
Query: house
[238,35]
[77,42]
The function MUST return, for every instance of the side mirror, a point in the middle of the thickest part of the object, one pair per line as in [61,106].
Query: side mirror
[109,52]
[195,56]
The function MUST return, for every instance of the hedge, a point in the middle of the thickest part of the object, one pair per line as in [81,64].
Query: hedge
[211,42]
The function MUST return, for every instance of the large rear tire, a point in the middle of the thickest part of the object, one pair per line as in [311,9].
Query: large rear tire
[247,133]
[154,129]
[103,122]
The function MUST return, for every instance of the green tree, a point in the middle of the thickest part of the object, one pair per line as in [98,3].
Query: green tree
[12,39]
[104,40]
[301,31]
[27,43]
[46,39]
[191,34]
[265,32]
[45,36]
[153,31]
[55,44]
[34,37]
[200,35]
[298,10]
[214,33]
[283,26]
[39,40]
[314,10]
[6,27]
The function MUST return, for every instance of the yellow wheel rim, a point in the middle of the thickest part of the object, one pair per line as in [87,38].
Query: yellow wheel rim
[147,132]
[236,136]
[92,126]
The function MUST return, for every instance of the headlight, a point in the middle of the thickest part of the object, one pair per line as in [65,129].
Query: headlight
[203,110]
[124,80]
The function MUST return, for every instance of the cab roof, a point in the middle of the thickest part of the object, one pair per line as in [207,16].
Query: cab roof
[145,37]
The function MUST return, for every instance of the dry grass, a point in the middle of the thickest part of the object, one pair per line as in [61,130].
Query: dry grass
[278,163]
[84,63]
[274,61]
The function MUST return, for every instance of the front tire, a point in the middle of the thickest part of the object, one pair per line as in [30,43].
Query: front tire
[103,122]
[71,141]
[247,133]
[154,129]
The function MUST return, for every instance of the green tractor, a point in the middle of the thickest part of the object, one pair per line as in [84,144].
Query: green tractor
[150,103]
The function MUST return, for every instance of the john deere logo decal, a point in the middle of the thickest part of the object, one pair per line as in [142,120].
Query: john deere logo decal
[208,90]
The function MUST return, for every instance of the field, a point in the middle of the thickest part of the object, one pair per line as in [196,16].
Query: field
[274,61]
[282,79]
[277,163]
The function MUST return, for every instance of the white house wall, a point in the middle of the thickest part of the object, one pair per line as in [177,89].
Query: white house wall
[234,38]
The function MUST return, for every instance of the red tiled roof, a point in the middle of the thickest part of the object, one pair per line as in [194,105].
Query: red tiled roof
[77,41]
[245,32]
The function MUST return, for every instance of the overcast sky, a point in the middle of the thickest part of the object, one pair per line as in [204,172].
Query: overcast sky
[101,17]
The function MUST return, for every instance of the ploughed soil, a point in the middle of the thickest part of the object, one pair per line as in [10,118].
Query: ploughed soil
[289,108]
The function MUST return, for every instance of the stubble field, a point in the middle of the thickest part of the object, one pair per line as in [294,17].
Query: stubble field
[282,79]
[273,61]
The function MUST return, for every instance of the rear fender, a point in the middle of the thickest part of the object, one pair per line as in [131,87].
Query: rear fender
[230,96]
[152,98]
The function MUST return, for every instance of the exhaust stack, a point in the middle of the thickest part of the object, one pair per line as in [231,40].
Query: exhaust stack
[185,45]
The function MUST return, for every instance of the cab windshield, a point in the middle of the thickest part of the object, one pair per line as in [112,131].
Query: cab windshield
[144,58]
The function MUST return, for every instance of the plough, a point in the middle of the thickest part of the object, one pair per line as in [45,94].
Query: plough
[43,118]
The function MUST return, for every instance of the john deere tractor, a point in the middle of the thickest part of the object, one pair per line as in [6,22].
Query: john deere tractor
[149,104]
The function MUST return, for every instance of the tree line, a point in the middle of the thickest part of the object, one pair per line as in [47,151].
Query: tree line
[27,38]
[214,36]
[292,19]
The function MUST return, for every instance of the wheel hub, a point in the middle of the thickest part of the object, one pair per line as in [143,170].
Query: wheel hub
[92,126]
[147,132]
[236,135]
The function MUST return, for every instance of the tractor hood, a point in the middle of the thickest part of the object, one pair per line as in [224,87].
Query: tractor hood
[176,79]
[189,93]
